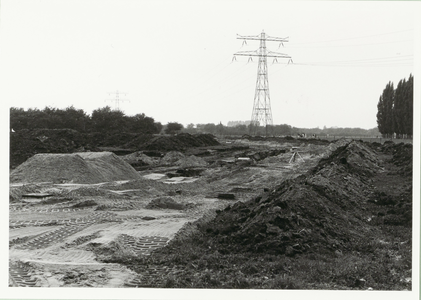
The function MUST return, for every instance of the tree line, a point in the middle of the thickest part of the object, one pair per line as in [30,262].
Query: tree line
[278,130]
[395,109]
[107,120]
[101,120]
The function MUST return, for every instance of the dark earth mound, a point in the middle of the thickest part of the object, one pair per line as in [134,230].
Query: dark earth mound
[402,157]
[322,211]
[179,142]
[26,143]
[165,202]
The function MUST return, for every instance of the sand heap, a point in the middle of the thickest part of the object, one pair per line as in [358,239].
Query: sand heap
[139,159]
[82,167]
[172,157]
[191,161]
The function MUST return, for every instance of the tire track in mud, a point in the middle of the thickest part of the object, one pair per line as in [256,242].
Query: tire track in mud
[79,256]
[95,217]
[143,245]
[49,210]
[52,237]
[20,275]
[48,257]
[142,236]
[19,271]
[73,226]
[165,228]
[155,235]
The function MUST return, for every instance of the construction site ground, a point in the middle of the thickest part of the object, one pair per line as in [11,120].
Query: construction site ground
[66,234]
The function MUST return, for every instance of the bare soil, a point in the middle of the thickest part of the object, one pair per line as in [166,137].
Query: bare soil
[340,199]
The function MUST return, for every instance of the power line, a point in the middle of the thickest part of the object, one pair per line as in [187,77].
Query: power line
[354,38]
[355,45]
[371,59]
[368,62]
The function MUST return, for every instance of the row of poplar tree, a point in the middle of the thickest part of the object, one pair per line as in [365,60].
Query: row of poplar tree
[395,109]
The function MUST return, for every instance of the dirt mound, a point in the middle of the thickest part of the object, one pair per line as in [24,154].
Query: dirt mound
[172,157]
[83,167]
[139,159]
[179,142]
[354,156]
[333,146]
[26,143]
[319,211]
[388,146]
[402,157]
[165,202]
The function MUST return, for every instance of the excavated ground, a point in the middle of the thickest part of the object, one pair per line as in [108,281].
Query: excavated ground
[228,202]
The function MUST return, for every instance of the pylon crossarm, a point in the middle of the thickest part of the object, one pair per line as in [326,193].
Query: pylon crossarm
[277,54]
[276,39]
[247,53]
[248,37]
[259,37]
[255,53]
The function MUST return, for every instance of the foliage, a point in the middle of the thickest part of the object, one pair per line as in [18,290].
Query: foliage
[278,130]
[102,120]
[173,128]
[395,109]
[105,119]
[48,118]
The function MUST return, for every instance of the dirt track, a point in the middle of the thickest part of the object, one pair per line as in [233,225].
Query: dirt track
[57,241]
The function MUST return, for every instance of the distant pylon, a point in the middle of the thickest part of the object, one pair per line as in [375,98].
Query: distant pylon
[117,99]
[262,113]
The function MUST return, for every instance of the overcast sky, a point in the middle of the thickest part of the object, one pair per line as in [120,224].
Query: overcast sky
[173,59]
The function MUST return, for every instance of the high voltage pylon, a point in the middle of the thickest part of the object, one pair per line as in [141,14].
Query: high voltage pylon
[261,106]
[117,99]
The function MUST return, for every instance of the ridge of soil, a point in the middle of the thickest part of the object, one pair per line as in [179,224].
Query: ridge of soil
[26,143]
[323,210]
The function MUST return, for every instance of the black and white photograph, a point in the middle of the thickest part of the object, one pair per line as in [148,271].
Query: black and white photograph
[210,149]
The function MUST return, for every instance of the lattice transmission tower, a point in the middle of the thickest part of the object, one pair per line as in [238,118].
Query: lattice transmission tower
[262,113]
[117,99]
